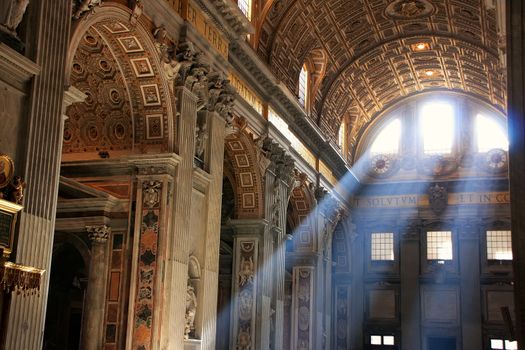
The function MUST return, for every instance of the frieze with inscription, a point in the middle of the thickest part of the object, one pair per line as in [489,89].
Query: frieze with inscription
[414,200]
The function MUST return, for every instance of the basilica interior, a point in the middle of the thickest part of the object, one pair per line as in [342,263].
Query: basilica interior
[262,174]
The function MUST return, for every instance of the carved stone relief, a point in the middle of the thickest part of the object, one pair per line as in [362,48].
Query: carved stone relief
[191,311]
[245,304]
[303,307]
[11,14]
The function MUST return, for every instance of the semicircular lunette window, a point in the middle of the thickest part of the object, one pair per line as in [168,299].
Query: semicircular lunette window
[437,128]
[384,150]
[490,134]
[387,141]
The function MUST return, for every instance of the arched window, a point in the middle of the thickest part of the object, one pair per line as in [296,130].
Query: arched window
[426,135]
[437,127]
[246,7]
[341,136]
[387,141]
[303,86]
[490,134]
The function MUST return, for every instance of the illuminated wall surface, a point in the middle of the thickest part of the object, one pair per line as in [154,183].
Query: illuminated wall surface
[214,175]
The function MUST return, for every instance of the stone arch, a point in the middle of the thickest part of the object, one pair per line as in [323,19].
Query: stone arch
[247,180]
[78,244]
[133,110]
[316,62]
[300,207]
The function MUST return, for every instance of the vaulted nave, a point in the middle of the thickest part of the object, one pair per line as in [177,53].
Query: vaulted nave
[262,174]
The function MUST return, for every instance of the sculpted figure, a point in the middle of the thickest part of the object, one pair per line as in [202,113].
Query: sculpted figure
[13,11]
[186,57]
[191,310]
[85,6]
[201,136]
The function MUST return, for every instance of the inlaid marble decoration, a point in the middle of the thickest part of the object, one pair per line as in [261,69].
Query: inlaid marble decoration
[303,284]
[246,286]
[341,326]
[147,265]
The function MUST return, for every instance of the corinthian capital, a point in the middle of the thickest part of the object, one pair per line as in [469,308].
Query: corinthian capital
[98,234]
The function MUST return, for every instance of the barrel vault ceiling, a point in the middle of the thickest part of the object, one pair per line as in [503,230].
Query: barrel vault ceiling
[371,59]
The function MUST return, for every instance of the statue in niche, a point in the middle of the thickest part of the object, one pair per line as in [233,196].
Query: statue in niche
[12,12]
[191,310]
[201,136]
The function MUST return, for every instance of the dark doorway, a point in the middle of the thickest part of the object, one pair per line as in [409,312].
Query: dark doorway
[65,301]
[441,343]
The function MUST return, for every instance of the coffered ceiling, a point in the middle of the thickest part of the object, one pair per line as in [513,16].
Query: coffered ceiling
[373,59]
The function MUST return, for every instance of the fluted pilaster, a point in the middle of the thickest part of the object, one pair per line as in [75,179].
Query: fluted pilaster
[211,261]
[42,163]
[176,264]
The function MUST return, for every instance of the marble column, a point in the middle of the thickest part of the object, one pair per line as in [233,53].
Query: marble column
[41,167]
[516,120]
[93,314]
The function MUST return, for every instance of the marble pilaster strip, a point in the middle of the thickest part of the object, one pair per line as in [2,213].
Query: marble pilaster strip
[471,313]
[44,148]
[516,121]
[410,308]
[177,254]
[150,246]
[279,258]
[216,127]
[303,308]
[245,280]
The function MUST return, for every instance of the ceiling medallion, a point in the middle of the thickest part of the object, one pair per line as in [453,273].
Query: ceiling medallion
[409,9]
